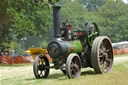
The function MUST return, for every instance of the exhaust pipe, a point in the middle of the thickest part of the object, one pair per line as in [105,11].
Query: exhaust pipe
[56,20]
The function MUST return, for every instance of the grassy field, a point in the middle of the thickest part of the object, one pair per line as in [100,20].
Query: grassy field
[121,55]
[23,75]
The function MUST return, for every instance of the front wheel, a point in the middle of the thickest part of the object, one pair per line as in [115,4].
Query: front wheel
[41,67]
[73,66]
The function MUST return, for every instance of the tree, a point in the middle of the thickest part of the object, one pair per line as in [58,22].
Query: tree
[23,17]
[31,17]
[112,14]
[122,28]
[91,4]
[75,13]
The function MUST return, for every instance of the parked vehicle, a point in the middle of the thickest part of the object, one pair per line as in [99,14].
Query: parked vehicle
[120,48]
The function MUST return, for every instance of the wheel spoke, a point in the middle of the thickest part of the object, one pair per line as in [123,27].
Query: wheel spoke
[104,65]
[75,61]
[107,50]
[109,60]
[101,51]
[40,64]
[41,72]
[103,59]
[101,62]
[103,47]
[75,72]
[100,56]
[73,66]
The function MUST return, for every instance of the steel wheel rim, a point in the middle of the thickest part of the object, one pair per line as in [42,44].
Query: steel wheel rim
[75,68]
[104,57]
[41,68]
[98,58]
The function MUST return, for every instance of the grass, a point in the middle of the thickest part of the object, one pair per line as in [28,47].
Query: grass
[121,55]
[15,65]
[23,75]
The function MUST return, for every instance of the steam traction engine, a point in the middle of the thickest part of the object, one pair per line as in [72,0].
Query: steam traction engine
[72,50]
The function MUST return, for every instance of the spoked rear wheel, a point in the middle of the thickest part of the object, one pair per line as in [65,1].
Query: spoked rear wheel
[102,55]
[73,66]
[41,67]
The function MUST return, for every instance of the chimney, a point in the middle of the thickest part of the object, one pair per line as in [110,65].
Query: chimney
[56,20]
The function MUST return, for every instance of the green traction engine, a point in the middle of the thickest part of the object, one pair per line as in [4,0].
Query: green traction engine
[72,50]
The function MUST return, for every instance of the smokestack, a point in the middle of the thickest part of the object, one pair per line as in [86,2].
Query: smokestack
[56,20]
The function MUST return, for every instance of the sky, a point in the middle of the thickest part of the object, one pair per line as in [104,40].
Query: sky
[126,1]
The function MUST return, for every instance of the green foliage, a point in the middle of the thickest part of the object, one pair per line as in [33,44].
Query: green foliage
[114,20]
[17,47]
[33,42]
[30,17]
[74,13]
[21,23]
[4,16]
[5,37]
[43,44]
[23,17]
[91,4]
[122,28]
